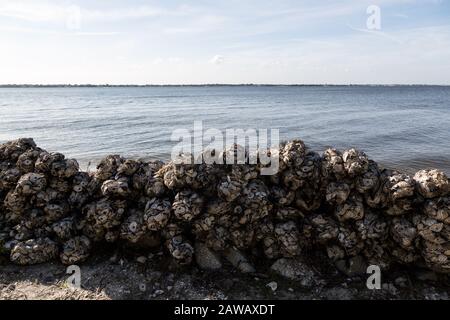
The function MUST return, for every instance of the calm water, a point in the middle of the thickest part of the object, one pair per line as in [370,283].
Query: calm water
[403,127]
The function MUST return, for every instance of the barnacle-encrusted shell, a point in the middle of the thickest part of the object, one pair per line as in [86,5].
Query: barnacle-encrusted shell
[157,213]
[64,229]
[218,207]
[432,183]
[288,236]
[181,250]
[437,256]
[352,208]
[34,251]
[13,149]
[25,162]
[369,180]
[333,164]
[45,161]
[288,213]
[337,192]
[293,153]
[355,162]
[64,169]
[404,233]
[187,205]
[9,178]
[107,168]
[31,183]
[146,179]
[75,250]
[255,201]
[400,186]
[438,208]
[116,188]
[325,228]
[282,196]
[134,227]
[230,187]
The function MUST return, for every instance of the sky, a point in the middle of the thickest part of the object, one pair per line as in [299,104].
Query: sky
[197,42]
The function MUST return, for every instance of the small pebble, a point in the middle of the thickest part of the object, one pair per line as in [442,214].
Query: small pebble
[141,259]
[142,287]
[272,285]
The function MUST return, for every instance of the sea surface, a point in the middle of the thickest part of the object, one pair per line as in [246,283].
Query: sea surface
[404,127]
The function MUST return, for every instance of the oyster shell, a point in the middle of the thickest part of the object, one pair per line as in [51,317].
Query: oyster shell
[31,183]
[333,164]
[288,237]
[432,183]
[293,153]
[157,213]
[355,162]
[75,250]
[181,250]
[134,228]
[187,205]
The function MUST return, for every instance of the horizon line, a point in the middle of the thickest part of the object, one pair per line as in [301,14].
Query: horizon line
[62,85]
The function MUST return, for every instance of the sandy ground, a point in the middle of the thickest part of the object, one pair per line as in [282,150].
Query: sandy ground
[130,277]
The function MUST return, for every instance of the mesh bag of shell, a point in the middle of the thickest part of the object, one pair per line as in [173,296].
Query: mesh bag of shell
[340,203]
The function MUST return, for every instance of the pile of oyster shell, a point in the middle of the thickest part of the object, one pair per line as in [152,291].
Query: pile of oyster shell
[341,203]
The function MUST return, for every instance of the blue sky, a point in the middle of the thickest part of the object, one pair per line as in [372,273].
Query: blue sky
[181,42]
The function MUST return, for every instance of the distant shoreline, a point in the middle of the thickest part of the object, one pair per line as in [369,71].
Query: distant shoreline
[210,85]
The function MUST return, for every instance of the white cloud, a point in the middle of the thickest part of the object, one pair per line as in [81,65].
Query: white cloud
[33,11]
[124,14]
[400,15]
[261,42]
[113,33]
[181,30]
[158,61]
[217,59]
[167,61]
